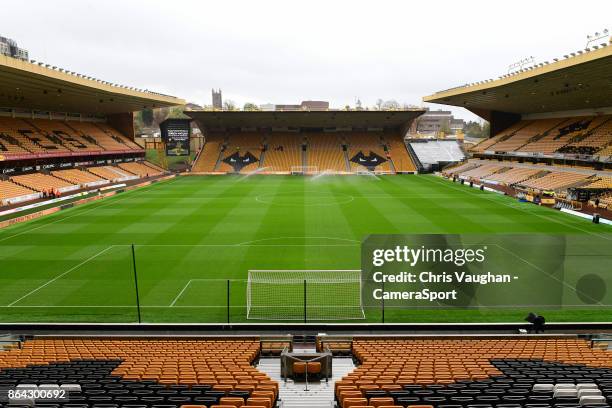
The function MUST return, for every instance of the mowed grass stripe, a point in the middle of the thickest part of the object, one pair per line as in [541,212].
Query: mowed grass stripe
[286,228]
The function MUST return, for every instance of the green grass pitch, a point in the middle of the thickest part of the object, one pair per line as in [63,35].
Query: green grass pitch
[194,233]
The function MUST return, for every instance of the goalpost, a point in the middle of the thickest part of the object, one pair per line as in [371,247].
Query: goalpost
[366,172]
[304,170]
[304,294]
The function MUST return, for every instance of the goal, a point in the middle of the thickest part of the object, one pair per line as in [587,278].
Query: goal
[304,295]
[304,170]
[365,172]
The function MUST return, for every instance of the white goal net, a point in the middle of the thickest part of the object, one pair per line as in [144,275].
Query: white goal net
[309,295]
[304,170]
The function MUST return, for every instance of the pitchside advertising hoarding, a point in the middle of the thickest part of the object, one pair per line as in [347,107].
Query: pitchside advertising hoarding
[176,134]
[486,271]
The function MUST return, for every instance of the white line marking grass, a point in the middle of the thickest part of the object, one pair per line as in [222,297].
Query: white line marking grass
[60,276]
[502,202]
[181,293]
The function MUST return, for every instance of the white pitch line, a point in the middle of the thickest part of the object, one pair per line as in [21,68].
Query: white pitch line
[301,306]
[562,282]
[237,245]
[60,275]
[470,190]
[104,204]
[180,293]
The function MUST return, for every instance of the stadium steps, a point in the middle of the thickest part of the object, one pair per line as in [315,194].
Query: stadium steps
[346,159]
[319,394]
[415,158]
[262,159]
[391,164]
[304,157]
[219,157]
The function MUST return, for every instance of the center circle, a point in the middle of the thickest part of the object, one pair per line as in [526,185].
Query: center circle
[305,199]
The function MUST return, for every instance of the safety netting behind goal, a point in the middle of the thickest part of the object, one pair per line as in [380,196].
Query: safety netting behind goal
[306,295]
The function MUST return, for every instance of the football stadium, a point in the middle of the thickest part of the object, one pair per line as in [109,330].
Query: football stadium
[306,256]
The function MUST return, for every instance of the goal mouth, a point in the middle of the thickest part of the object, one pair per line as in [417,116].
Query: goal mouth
[305,295]
[366,172]
[304,170]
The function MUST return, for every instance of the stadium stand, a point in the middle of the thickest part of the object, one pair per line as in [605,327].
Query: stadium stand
[207,159]
[555,181]
[487,143]
[556,138]
[482,171]
[139,169]
[367,143]
[119,371]
[325,152]
[461,167]
[526,134]
[22,136]
[513,176]
[30,138]
[25,187]
[439,372]
[539,178]
[11,192]
[605,201]
[601,182]
[398,153]
[153,166]
[237,147]
[43,182]
[434,152]
[586,135]
[104,136]
[284,151]
[111,173]
[9,145]
[79,177]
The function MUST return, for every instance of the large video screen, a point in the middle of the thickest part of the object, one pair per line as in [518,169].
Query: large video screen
[176,133]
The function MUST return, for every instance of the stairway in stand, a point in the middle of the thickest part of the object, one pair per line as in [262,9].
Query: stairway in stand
[292,394]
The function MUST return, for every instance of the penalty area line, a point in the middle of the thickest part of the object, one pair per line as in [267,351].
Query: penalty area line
[60,276]
[181,293]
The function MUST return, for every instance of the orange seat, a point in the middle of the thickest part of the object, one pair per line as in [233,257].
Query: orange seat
[232,401]
[264,402]
[299,367]
[354,402]
[381,401]
[313,367]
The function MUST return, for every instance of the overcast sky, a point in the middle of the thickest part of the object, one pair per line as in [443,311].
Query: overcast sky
[287,51]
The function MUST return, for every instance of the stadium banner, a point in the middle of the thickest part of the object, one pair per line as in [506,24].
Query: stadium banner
[480,271]
[176,134]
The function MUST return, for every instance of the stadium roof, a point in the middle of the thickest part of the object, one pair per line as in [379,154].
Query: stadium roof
[583,81]
[307,119]
[32,86]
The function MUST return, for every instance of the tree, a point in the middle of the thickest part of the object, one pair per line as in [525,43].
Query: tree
[379,103]
[473,129]
[477,130]
[160,114]
[391,105]
[229,105]
[486,129]
[250,107]
[147,117]
[445,127]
